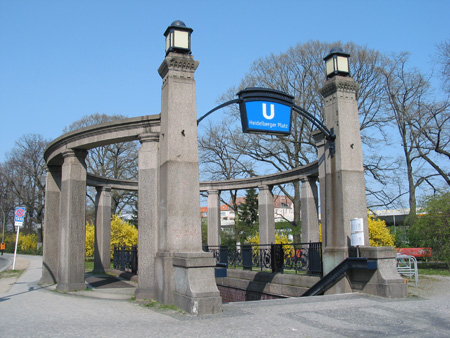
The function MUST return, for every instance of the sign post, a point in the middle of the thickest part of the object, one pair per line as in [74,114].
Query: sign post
[19,216]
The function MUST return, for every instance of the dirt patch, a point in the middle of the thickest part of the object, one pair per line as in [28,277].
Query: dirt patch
[429,286]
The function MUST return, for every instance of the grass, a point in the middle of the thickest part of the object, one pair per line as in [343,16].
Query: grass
[157,305]
[430,272]
[89,265]
[11,273]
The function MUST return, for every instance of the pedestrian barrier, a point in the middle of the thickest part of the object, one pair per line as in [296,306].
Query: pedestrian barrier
[407,266]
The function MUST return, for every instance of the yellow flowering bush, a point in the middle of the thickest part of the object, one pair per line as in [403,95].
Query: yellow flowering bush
[122,234]
[379,235]
[26,243]
[90,238]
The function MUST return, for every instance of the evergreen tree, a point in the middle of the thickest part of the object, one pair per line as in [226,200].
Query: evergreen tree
[247,224]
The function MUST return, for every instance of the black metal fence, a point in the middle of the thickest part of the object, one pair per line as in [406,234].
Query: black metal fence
[282,258]
[126,258]
[295,257]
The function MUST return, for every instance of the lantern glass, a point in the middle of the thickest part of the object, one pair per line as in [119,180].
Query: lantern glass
[169,38]
[342,64]
[181,39]
[330,66]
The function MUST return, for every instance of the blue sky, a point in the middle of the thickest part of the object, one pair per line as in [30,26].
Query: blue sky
[62,60]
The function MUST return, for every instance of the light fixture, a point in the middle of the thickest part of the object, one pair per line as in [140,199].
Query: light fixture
[337,63]
[178,38]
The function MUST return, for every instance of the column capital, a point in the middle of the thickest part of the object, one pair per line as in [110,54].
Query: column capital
[213,192]
[339,84]
[105,188]
[78,153]
[177,62]
[319,138]
[265,187]
[52,168]
[148,137]
[308,178]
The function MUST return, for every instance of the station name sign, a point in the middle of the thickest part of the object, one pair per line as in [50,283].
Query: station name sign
[265,111]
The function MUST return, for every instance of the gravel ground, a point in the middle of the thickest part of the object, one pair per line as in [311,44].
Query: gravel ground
[29,310]
[432,286]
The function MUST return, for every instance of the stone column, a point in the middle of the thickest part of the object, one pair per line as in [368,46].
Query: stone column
[102,244]
[213,218]
[185,274]
[344,195]
[345,184]
[72,221]
[147,214]
[50,259]
[266,215]
[322,155]
[309,210]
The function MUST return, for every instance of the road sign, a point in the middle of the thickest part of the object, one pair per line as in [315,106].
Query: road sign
[19,216]
[265,111]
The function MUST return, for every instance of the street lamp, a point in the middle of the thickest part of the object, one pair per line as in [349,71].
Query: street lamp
[337,63]
[178,38]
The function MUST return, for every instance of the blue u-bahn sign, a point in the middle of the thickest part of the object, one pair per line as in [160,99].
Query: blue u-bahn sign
[265,111]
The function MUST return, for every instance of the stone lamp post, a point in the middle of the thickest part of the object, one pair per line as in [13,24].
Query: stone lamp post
[184,273]
[342,183]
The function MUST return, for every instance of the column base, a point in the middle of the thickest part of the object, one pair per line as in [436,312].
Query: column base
[144,293]
[69,287]
[332,257]
[187,281]
[385,281]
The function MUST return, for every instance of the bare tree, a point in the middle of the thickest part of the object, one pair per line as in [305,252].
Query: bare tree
[219,161]
[443,59]
[432,142]
[117,160]
[300,71]
[23,180]
[407,96]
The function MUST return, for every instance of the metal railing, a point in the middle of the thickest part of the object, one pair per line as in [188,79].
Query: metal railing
[407,266]
[126,258]
[282,258]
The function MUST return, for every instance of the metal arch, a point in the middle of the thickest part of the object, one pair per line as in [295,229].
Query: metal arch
[329,134]
[217,108]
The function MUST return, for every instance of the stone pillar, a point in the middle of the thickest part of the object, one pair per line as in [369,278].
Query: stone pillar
[322,154]
[345,195]
[309,210]
[50,259]
[72,221]
[266,215]
[185,274]
[102,244]
[147,214]
[213,218]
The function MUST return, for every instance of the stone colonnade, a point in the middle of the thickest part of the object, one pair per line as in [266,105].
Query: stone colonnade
[309,208]
[172,267]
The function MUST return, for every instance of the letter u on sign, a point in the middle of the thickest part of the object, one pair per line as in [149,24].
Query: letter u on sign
[272,111]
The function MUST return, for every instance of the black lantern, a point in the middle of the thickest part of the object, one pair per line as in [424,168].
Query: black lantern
[337,63]
[178,38]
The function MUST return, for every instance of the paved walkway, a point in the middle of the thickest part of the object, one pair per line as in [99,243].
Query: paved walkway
[28,310]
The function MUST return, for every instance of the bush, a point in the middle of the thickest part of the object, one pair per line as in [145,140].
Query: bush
[432,227]
[379,234]
[122,234]
[27,244]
